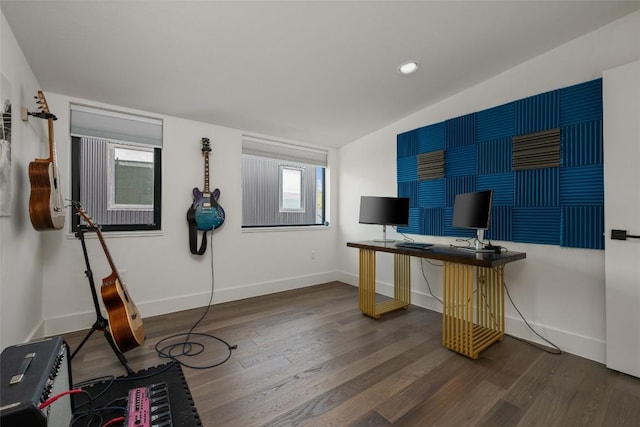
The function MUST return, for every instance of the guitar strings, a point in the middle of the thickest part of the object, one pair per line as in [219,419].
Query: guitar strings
[189,347]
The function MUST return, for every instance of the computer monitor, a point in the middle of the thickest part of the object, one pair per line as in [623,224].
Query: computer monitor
[384,211]
[473,210]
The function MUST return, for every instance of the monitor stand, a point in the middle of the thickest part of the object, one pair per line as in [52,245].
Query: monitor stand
[479,239]
[479,246]
[384,236]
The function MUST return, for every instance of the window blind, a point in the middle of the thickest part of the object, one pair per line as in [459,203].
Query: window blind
[278,150]
[114,126]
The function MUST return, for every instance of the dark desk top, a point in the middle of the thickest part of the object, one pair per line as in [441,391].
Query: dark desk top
[444,253]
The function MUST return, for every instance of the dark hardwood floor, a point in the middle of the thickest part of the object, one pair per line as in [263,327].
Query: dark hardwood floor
[309,357]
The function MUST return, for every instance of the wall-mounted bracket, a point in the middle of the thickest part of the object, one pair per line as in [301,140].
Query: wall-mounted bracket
[25,113]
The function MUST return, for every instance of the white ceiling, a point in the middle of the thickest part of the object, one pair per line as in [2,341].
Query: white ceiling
[320,72]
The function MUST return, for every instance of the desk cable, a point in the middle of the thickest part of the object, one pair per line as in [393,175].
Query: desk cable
[555,349]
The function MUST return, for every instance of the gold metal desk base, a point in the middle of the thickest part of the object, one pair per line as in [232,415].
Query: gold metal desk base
[471,324]
[472,291]
[367,284]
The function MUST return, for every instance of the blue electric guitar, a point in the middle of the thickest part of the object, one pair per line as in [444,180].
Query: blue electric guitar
[209,215]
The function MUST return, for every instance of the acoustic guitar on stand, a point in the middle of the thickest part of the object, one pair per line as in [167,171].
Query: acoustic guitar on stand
[46,207]
[125,322]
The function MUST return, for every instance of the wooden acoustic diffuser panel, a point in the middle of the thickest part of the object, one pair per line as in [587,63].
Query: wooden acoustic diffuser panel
[536,150]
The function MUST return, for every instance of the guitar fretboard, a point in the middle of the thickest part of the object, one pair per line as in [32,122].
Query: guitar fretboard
[206,172]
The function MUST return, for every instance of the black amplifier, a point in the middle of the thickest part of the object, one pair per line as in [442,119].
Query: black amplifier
[32,373]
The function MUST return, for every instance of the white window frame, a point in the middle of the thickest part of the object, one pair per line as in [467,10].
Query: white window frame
[111,177]
[301,171]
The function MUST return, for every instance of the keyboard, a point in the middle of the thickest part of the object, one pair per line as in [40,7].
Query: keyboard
[473,250]
[413,245]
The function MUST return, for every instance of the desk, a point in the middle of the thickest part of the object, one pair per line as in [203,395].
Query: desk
[463,330]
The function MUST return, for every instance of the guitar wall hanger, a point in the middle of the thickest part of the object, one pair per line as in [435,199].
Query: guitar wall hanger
[25,113]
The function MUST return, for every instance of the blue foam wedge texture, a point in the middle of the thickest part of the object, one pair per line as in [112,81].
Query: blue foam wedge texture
[557,206]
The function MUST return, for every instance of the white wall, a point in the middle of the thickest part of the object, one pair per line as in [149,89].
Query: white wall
[44,290]
[20,245]
[161,273]
[559,290]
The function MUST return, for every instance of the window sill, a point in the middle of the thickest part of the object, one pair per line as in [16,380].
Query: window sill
[118,234]
[286,228]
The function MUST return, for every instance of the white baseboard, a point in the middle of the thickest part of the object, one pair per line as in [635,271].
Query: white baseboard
[37,333]
[84,320]
[580,345]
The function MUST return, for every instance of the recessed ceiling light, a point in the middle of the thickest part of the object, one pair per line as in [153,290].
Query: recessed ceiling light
[408,68]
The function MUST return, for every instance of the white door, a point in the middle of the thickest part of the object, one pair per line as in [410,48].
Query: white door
[621,97]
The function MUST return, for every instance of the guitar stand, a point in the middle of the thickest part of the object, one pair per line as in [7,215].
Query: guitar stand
[101,324]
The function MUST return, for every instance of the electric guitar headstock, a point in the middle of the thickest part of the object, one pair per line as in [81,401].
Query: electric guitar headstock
[206,146]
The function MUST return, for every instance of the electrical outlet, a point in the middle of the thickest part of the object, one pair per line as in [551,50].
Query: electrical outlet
[618,234]
[123,275]
[313,254]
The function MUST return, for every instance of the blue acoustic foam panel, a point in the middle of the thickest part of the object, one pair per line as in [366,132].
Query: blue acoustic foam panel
[410,190]
[582,186]
[582,144]
[415,224]
[552,205]
[583,227]
[581,103]
[460,160]
[502,185]
[537,187]
[432,138]
[494,156]
[538,113]
[461,131]
[500,227]
[407,169]
[431,193]
[432,221]
[407,144]
[536,225]
[456,185]
[496,122]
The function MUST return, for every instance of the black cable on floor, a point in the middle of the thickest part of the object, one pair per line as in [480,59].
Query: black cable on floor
[189,347]
[536,345]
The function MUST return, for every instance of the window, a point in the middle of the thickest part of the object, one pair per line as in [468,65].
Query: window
[282,184]
[116,169]
[291,189]
[130,178]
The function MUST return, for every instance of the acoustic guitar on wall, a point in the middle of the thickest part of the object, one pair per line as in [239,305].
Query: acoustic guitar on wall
[125,322]
[46,207]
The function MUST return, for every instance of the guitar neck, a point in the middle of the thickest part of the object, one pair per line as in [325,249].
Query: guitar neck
[52,156]
[206,172]
[114,270]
